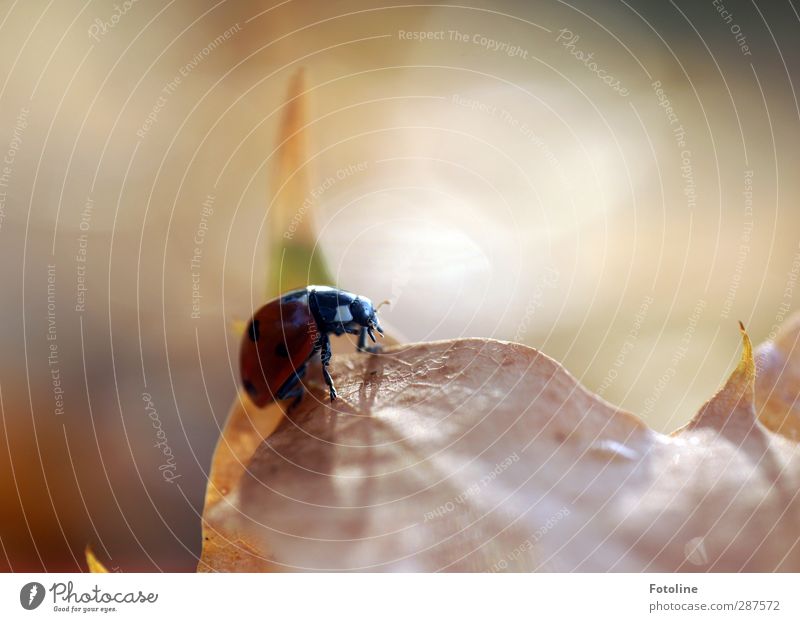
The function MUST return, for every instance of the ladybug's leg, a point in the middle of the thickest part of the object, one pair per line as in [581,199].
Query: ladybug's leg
[293,387]
[325,355]
[297,393]
[362,342]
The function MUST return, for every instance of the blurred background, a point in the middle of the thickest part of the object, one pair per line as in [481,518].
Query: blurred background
[612,183]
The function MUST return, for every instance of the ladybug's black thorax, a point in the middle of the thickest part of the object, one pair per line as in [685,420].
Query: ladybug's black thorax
[330,308]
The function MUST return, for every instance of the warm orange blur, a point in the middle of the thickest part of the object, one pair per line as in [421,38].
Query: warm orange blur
[473,165]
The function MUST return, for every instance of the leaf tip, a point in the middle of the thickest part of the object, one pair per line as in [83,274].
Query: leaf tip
[94,564]
[734,403]
[746,363]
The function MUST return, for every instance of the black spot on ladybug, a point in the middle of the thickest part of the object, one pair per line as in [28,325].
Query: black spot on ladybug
[252,330]
[250,388]
[281,350]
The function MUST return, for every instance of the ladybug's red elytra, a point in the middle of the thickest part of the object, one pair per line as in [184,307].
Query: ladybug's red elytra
[286,332]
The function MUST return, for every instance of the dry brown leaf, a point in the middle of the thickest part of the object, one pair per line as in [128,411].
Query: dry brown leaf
[485,455]
[94,564]
[778,381]
[245,429]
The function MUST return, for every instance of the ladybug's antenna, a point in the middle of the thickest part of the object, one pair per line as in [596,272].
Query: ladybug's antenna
[385,302]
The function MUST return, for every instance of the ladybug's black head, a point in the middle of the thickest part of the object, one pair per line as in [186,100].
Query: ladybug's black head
[364,313]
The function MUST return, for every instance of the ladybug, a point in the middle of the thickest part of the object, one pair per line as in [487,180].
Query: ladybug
[286,332]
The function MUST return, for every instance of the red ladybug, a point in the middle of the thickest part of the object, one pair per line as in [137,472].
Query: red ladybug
[286,332]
